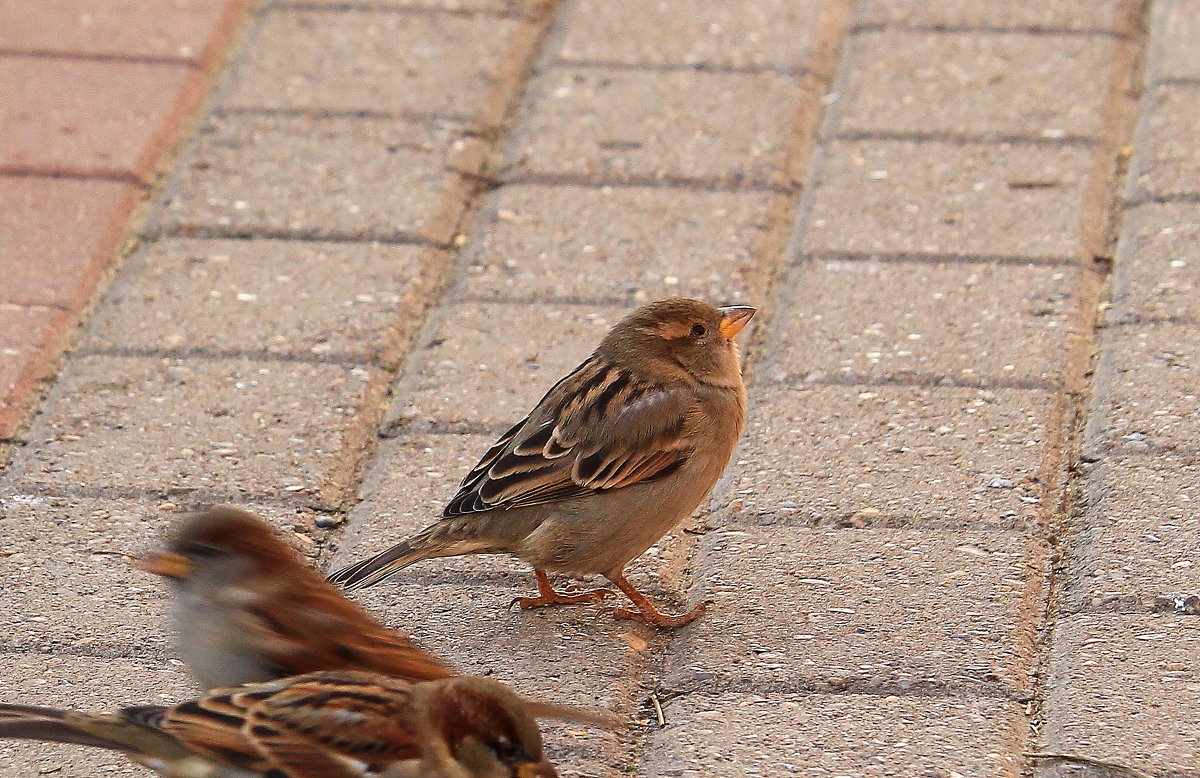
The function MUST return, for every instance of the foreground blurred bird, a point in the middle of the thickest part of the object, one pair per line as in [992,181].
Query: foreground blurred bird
[614,456]
[320,725]
[247,608]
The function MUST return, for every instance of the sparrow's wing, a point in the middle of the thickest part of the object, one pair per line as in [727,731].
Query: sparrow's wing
[333,725]
[321,630]
[213,725]
[599,428]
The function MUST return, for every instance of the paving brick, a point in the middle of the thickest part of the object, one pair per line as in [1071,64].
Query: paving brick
[82,683]
[830,455]
[1134,547]
[1125,688]
[333,301]
[514,7]
[220,428]
[1154,402]
[376,61]
[1176,24]
[976,84]
[94,118]
[489,363]
[893,611]
[734,735]
[891,197]
[775,33]
[1158,265]
[426,469]
[29,342]
[258,174]
[619,125]
[1049,15]
[962,323]
[180,29]
[640,244]
[1169,161]
[56,236]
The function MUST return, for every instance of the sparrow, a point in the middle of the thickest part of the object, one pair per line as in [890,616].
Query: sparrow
[616,454]
[341,724]
[247,608]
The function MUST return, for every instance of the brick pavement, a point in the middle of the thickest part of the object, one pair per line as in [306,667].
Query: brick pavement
[932,553]
[96,94]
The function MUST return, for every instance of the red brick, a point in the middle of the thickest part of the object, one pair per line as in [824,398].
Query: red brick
[104,119]
[29,340]
[188,30]
[56,236]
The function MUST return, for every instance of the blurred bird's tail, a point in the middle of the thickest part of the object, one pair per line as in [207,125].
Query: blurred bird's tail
[449,537]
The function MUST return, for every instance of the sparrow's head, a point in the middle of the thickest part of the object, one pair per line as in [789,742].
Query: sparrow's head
[486,729]
[681,334]
[220,545]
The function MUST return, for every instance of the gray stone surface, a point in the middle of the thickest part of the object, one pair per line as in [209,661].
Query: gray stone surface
[884,455]
[303,176]
[768,33]
[1169,165]
[314,301]
[1136,544]
[890,197]
[1158,267]
[512,7]
[1045,15]
[367,60]
[735,735]
[1176,27]
[884,611]
[81,683]
[1154,399]
[220,429]
[639,244]
[976,323]
[991,84]
[610,125]
[1124,688]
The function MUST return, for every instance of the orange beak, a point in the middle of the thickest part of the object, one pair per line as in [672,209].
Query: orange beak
[733,318]
[165,563]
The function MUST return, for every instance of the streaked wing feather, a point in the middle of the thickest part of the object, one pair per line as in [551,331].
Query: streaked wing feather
[340,728]
[598,429]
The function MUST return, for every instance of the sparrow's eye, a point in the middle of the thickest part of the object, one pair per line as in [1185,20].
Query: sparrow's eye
[699,330]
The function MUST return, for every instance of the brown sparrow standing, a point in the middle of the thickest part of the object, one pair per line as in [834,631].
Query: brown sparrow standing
[320,725]
[614,456]
[248,609]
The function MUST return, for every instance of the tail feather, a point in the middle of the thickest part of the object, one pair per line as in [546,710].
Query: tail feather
[29,722]
[446,538]
[374,569]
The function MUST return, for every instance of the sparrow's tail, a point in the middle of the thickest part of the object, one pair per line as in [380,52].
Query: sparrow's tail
[449,537]
[29,722]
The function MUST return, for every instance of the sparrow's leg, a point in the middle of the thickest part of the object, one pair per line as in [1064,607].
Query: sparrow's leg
[646,612]
[548,596]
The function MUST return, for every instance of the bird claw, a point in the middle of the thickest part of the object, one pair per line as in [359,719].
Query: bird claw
[658,619]
[573,594]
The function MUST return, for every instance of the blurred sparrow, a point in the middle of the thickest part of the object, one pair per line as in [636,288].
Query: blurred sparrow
[614,456]
[247,608]
[321,725]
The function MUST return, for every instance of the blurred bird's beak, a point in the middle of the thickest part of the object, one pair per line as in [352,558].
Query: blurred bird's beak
[166,564]
[535,770]
[733,318]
